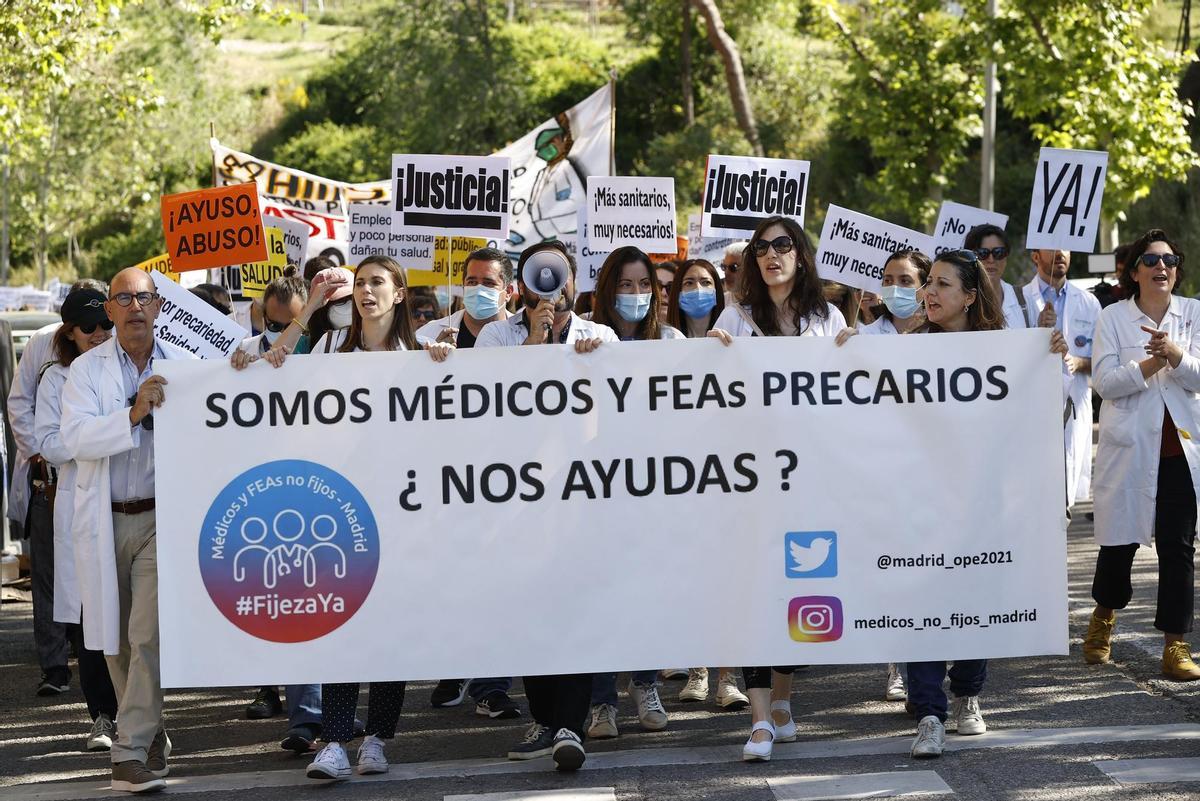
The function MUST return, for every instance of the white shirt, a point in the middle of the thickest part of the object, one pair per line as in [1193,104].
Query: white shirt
[1131,417]
[513,331]
[334,339]
[733,322]
[429,332]
[882,326]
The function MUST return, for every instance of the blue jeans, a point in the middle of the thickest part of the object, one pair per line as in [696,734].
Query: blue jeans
[482,688]
[604,685]
[303,704]
[925,684]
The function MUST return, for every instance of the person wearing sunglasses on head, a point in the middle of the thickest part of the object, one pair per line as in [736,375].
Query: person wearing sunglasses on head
[1051,301]
[85,326]
[990,245]
[1147,369]
[107,428]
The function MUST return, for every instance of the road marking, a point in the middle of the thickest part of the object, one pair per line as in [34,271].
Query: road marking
[578,794]
[1151,771]
[863,785]
[633,758]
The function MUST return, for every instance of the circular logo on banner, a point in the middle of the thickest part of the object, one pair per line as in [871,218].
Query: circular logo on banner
[289,551]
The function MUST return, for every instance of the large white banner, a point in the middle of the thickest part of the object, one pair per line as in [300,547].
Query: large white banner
[362,517]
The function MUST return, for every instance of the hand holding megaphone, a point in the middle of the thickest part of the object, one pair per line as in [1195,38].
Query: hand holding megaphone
[545,273]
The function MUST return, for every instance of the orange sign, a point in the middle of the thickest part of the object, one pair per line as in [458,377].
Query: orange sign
[213,227]
[680,256]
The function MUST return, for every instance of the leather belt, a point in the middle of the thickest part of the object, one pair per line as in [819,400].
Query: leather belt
[133,507]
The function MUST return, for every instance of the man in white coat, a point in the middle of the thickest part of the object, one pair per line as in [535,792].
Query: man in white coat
[107,427]
[1051,301]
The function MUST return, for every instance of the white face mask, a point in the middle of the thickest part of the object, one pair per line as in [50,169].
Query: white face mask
[271,336]
[341,315]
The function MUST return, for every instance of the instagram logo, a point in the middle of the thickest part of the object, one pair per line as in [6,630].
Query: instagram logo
[815,618]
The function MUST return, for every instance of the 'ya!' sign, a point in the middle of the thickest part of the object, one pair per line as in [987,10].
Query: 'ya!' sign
[463,195]
[1067,190]
[740,192]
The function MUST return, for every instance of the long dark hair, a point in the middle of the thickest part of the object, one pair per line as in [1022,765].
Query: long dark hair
[604,302]
[806,298]
[986,313]
[402,328]
[64,346]
[675,315]
[917,259]
[1137,250]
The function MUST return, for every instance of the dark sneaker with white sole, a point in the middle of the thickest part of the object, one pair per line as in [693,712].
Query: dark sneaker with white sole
[55,681]
[132,777]
[449,692]
[498,705]
[568,750]
[266,704]
[538,742]
[157,753]
[300,738]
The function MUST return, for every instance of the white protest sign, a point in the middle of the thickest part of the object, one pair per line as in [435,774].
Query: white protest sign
[187,321]
[588,260]
[295,236]
[701,247]
[368,475]
[10,298]
[854,247]
[741,191]
[631,210]
[955,220]
[1067,192]
[370,232]
[36,300]
[1102,263]
[450,195]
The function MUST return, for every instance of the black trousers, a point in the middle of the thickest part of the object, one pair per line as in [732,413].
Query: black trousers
[339,702]
[1175,543]
[94,680]
[759,678]
[560,702]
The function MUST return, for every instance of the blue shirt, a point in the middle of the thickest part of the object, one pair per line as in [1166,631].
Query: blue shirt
[132,472]
[1055,298]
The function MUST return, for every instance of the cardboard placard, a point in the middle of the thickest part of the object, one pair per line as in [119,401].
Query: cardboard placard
[955,220]
[702,247]
[1068,189]
[741,191]
[213,227]
[256,275]
[295,236]
[370,232]
[162,263]
[462,195]
[631,210]
[187,321]
[854,247]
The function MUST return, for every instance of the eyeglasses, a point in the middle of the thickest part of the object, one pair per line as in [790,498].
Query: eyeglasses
[143,299]
[780,244]
[275,327]
[147,421]
[88,328]
[1152,259]
[996,253]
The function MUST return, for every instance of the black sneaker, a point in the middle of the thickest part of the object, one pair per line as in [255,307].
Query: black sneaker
[449,692]
[300,738]
[538,742]
[498,705]
[568,750]
[265,705]
[55,681]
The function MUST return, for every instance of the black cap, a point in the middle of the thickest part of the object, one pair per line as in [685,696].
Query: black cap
[84,306]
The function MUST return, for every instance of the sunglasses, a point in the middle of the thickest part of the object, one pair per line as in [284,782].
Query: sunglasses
[143,298]
[89,328]
[1152,259]
[275,327]
[969,256]
[780,244]
[996,253]
[147,421]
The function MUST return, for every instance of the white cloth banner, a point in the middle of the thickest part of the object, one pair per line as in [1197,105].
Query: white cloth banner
[353,517]
[1068,188]
[854,247]
[187,321]
[955,220]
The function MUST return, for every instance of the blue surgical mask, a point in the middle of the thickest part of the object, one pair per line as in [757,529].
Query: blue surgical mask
[482,302]
[633,308]
[900,300]
[696,303]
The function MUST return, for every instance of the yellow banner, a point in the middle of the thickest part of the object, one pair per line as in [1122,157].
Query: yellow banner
[162,263]
[256,275]
[449,252]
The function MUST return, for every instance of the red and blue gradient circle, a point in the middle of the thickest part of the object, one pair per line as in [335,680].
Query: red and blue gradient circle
[289,551]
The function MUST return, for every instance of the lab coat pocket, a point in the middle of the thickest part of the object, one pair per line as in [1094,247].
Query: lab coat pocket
[1117,419]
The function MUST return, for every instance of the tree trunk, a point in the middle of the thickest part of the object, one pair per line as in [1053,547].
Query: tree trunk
[4,213]
[723,43]
[685,66]
[511,10]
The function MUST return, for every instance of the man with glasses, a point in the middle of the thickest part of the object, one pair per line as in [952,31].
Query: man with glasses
[108,428]
[1051,301]
[731,264]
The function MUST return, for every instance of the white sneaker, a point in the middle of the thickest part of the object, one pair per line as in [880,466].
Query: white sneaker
[785,732]
[759,752]
[896,691]
[696,688]
[101,738]
[674,673]
[931,738]
[370,756]
[604,722]
[729,697]
[331,763]
[651,712]
[967,716]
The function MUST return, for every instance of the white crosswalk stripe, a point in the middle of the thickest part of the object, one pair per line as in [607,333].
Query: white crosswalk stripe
[574,794]
[894,784]
[1151,771]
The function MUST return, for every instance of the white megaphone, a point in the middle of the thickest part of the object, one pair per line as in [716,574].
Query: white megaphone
[545,274]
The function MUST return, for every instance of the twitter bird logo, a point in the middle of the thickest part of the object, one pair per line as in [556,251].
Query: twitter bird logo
[810,554]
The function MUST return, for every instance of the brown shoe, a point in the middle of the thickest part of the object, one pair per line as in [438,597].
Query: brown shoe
[132,777]
[1097,645]
[1177,662]
[157,753]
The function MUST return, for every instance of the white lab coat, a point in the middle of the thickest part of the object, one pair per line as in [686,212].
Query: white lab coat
[1078,326]
[50,446]
[430,331]
[21,397]
[502,333]
[95,426]
[1011,305]
[736,325]
[1131,417]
